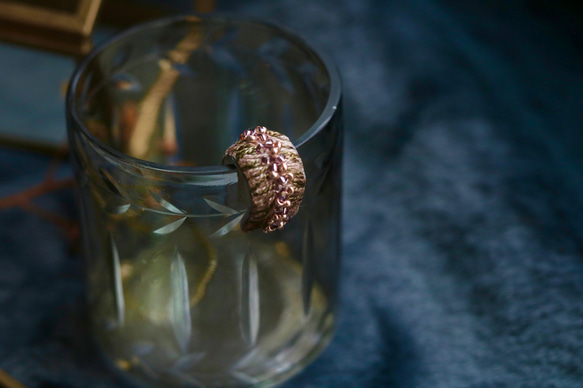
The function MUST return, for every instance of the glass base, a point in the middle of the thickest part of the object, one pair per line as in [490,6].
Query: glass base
[252,333]
[283,373]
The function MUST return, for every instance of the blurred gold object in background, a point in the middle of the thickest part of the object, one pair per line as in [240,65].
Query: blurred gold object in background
[203,6]
[141,134]
[6,381]
[67,28]
[62,26]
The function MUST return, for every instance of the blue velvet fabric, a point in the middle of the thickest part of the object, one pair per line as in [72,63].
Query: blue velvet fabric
[463,184]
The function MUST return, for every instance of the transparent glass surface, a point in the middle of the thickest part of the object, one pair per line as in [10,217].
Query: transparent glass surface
[179,296]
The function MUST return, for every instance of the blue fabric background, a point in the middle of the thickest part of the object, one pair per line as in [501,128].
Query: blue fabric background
[463,227]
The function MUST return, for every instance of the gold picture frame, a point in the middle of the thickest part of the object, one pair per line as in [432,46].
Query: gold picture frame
[49,25]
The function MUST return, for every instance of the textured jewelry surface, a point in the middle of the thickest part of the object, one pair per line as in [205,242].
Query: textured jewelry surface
[274,172]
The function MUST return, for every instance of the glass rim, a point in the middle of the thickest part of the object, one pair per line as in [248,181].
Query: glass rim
[332,102]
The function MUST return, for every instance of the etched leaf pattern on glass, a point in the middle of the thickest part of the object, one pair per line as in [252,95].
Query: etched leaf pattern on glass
[228,227]
[117,282]
[111,184]
[221,208]
[171,227]
[165,204]
[172,217]
[307,268]
[180,302]
[117,209]
[232,222]
[249,298]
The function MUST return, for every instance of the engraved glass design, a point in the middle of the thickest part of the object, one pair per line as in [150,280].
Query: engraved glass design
[179,296]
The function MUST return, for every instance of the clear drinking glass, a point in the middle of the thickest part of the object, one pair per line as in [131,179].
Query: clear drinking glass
[179,296]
